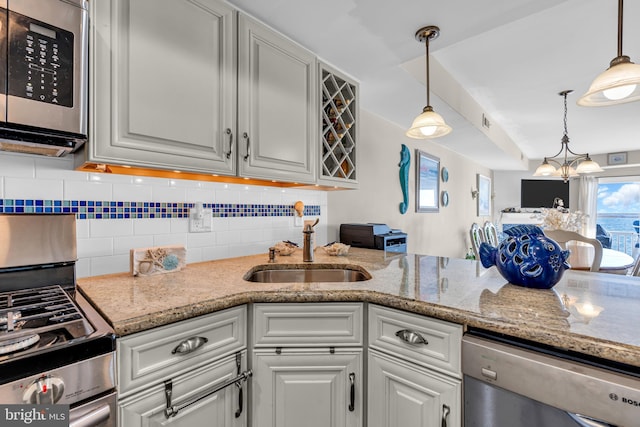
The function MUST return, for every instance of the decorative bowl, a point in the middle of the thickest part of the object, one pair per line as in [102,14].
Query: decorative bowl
[285,248]
[336,249]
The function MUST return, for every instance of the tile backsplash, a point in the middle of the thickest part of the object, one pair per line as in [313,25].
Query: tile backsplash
[116,213]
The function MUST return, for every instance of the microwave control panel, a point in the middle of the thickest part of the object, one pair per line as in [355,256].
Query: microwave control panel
[40,59]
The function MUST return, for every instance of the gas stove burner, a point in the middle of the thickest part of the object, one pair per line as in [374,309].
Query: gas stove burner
[20,343]
[15,320]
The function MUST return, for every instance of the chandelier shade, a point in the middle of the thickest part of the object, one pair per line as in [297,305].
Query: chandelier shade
[568,164]
[618,84]
[428,124]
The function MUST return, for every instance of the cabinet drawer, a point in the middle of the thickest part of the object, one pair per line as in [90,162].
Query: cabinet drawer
[307,325]
[443,339]
[149,357]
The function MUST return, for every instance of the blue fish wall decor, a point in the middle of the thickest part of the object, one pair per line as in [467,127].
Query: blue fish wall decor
[405,162]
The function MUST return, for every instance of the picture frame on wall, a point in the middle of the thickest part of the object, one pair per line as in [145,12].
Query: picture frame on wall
[617,158]
[427,182]
[484,195]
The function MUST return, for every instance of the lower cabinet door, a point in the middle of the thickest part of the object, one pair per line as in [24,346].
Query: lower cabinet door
[147,408]
[403,394]
[310,388]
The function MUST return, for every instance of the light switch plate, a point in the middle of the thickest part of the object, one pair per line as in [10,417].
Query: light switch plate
[298,221]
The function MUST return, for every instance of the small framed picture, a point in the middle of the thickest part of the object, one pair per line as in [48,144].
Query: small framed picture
[617,158]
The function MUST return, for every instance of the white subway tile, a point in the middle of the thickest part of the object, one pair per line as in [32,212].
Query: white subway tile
[169,194]
[17,165]
[110,227]
[220,224]
[215,252]
[199,240]
[194,255]
[56,168]
[109,264]
[170,240]
[204,195]
[1,187]
[244,250]
[179,225]
[91,190]
[82,229]
[123,245]
[151,226]
[132,192]
[95,247]
[226,195]
[83,267]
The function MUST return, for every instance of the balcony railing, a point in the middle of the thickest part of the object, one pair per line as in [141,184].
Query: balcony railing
[624,241]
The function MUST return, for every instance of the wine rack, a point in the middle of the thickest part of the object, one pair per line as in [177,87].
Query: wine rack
[338,124]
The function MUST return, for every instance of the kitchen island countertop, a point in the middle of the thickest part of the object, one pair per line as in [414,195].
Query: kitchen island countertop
[591,313]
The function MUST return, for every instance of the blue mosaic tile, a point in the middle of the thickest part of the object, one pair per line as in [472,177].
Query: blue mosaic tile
[88,209]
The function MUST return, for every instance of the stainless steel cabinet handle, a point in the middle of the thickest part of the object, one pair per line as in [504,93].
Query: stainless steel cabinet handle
[445,414]
[246,136]
[93,418]
[189,345]
[228,132]
[352,393]
[411,337]
[584,421]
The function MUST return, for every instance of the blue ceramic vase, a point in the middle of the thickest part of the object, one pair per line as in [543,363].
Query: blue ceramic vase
[526,257]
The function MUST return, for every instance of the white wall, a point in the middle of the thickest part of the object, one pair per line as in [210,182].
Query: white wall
[445,233]
[104,244]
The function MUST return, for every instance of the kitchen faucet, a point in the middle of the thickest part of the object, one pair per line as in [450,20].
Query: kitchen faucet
[307,248]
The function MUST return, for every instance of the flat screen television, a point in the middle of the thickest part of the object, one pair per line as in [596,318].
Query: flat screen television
[540,193]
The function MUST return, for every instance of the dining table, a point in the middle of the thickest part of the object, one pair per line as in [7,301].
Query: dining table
[613,261]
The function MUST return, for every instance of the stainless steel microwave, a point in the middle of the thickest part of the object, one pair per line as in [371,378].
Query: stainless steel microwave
[43,75]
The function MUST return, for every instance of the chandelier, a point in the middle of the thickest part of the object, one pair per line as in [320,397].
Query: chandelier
[568,167]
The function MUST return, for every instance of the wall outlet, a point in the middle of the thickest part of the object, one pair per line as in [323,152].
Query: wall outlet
[298,221]
[200,219]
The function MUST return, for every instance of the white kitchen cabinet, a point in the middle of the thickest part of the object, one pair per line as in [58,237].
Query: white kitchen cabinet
[405,394]
[277,105]
[168,78]
[307,364]
[147,408]
[311,388]
[163,84]
[191,359]
[414,370]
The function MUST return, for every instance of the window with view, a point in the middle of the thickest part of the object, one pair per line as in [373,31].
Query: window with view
[618,214]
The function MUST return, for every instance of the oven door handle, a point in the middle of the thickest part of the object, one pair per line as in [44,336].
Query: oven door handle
[93,418]
[584,421]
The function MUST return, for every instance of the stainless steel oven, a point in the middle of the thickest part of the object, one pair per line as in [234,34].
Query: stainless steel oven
[43,75]
[55,348]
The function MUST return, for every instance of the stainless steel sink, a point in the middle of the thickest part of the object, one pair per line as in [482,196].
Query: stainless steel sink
[304,275]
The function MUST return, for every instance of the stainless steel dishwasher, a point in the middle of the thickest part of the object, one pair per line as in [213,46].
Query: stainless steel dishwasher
[509,383]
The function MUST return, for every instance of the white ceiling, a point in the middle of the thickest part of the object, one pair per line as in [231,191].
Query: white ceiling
[506,59]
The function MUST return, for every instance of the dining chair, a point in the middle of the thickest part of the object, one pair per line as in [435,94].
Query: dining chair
[635,270]
[490,233]
[477,236]
[564,236]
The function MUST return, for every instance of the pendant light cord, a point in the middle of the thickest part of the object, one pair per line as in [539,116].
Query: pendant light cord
[566,134]
[620,7]
[426,43]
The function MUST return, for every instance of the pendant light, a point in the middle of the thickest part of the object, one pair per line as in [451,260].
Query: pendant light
[428,124]
[620,83]
[570,167]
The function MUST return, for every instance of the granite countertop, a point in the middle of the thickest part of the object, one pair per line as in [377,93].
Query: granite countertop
[456,290]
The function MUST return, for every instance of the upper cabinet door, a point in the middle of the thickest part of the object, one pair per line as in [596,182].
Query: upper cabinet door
[163,84]
[277,105]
